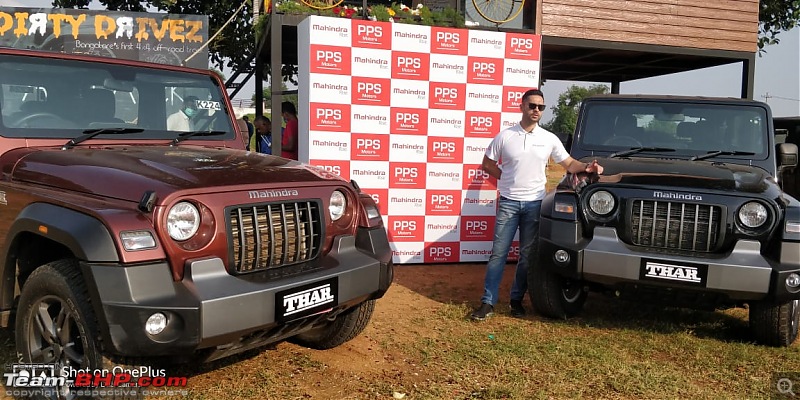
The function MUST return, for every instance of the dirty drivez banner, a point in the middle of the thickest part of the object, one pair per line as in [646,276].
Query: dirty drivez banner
[159,38]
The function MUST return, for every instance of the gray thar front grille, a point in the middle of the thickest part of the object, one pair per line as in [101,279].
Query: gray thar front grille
[675,225]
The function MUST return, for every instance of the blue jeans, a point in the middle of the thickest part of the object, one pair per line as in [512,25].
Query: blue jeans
[512,215]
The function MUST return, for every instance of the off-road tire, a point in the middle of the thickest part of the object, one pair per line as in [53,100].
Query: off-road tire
[552,295]
[775,324]
[59,286]
[339,331]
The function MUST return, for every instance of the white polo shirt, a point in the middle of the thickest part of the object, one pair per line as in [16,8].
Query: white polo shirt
[523,158]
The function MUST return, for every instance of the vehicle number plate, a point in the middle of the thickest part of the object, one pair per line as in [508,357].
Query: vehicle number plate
[305,300]
[681,273]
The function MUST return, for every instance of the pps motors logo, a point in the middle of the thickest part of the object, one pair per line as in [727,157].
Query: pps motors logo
[442,252]
[475,178]
[409,121]
[371,91]
[407,175]
[370,147]
[445,149]
[449,41]
[523,46]
[487,71]
[482,124]
[443,202]
[330,117]
[450,96]
[478,228]
[373,35]
[407,65]
[407,228]
[330,60]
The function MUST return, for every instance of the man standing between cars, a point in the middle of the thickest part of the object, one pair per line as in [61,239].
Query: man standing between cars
[517,157]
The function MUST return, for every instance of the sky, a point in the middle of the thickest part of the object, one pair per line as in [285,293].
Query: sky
[777,80]
[777,76]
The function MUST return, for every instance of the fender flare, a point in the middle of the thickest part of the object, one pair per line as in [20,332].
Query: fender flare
[84,235]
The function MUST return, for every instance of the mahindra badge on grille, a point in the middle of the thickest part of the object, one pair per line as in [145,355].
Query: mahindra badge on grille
[266,194]
[677,196]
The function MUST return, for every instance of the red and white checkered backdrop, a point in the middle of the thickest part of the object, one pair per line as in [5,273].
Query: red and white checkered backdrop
[407,112]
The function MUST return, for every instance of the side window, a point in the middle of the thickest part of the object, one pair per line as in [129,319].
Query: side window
[19,101]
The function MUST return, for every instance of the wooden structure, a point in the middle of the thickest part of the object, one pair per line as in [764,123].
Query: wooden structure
[615,41]
[607,41]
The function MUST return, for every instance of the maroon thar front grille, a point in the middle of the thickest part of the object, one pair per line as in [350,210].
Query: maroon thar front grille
[274,235]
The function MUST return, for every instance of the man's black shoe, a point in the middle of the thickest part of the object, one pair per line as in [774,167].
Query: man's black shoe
[486,310]
[517,310]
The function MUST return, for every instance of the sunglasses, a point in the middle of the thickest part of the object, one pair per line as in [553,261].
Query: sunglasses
[541,107]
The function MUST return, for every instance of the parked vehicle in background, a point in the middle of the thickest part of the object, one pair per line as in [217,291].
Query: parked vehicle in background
[124,239]
[693,210]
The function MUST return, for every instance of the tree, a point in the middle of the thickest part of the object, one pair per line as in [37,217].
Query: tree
[776,16]
[231,48]
[565,113]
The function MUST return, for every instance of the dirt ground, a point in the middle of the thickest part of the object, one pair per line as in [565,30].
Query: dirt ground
[340,373]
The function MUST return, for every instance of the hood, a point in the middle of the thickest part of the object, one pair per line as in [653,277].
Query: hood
[126,172]
[683,174]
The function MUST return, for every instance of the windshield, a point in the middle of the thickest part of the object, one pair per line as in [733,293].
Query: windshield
[675,129]
[51,98]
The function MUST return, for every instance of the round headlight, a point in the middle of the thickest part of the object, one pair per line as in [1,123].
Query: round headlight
[753,214]
[183,220]
[601,202]
[338,205]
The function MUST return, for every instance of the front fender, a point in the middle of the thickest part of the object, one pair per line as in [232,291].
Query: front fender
[86,237]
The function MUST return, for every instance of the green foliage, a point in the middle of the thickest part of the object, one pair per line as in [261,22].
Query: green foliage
[565,112]
[448,17]
[396,12]
[776,16]
[294,7]
[381,13]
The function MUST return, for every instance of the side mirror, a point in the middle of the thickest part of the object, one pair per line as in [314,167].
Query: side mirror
[787,155]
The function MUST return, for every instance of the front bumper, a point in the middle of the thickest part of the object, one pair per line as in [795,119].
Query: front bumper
[214,310]
[741,275]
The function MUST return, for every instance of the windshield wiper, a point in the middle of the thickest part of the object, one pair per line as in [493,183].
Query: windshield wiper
[721,153]
[90,133]
[186,135]
[639,150]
